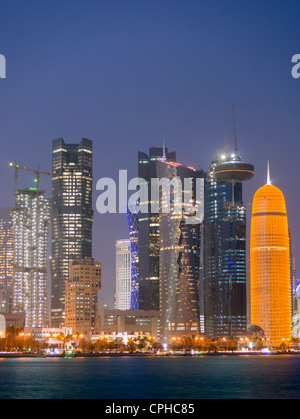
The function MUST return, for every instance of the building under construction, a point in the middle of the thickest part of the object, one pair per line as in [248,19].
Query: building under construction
[31,226]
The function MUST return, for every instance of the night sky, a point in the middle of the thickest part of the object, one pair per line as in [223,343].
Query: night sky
[129,73]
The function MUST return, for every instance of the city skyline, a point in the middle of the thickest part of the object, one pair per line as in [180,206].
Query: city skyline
[109,297]
[174,75]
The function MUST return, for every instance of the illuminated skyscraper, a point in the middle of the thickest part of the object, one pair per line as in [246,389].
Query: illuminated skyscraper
[132,219]
[224,245]
[180,245]
[270,265]
[6,247]
[31,225]
[72,216]
[148,233]
[123,275]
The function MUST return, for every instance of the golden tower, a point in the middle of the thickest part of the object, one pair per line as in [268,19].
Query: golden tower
[270,265]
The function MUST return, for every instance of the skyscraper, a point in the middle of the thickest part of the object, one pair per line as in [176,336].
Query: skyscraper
[123,275]
[72,216]
[31,225]
[132,220]
[224,246]
[270,265]
[148,233]
[180,245]
[6,247]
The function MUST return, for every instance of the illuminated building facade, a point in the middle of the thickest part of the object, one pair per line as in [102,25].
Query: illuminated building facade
[72,216]
[6,247]
[179,256]
[224,245]
[123,275]
[31,225]
[136,324]
[5,300]
[148,233]
[132,219]
[82,289]
[270,265]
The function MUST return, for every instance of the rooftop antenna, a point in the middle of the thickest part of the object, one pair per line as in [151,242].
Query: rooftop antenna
[236,149]
[268,174]
[164,151]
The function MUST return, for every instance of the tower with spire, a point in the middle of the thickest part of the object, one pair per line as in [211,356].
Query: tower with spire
[268,174]
[224,245]
[270,264]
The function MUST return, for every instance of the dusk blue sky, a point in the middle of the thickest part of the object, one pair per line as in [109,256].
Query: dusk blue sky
[128,73]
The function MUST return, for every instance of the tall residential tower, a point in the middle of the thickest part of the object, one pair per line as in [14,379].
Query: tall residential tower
[123,275]
[72,216]
[31,225]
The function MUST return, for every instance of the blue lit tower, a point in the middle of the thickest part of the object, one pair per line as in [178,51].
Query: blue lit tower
[132,219]
[224,245]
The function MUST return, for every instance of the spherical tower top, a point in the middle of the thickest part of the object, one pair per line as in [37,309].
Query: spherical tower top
[229,167]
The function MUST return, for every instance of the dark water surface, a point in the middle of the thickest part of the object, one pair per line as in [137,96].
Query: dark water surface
[220,377]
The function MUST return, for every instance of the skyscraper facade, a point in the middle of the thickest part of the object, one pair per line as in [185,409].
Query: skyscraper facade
[270,265]
[6,247]
[31,225]
[72,216]
[180,245]
[82,289]
[148,233]
[123,275]
[224,245]
[132,219]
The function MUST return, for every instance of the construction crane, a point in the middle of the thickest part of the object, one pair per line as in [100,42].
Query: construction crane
[37,172]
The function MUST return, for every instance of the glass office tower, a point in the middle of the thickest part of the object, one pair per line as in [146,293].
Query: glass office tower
[148,233]
[270,265]
[179,255]
[224,246]
[31,226]
[72,216]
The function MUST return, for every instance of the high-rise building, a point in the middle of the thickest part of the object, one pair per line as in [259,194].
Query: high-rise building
[132,219]
[148,233]
[82,289]
[224,245]
[72,216]
[123,275]
[270,265]
[31,225]
[6,247]
[181,197]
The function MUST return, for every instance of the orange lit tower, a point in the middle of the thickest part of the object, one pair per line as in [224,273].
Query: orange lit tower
[270,265]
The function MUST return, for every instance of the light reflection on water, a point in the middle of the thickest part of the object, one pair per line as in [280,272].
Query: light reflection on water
[225,377]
